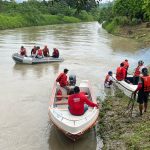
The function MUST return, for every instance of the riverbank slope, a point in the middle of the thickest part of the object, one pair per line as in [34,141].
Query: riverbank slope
[119,130]
[140,32]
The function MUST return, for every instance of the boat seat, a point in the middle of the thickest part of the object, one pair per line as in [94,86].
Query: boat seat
[65,96]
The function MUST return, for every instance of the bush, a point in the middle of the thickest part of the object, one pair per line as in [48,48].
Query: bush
[67,19]
[121,20]
[85,16]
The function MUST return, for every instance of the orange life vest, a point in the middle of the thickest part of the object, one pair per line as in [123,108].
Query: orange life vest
[59,93]
[146,80]
[137,71]
[106,79]
[119,73]
[40,52]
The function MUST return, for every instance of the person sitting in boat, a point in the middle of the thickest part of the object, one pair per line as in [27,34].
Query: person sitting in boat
[33,51]
[55,53]
[77,102]
[137,72]
[39,53]
[62,79]
[46,51]
[121,72]
[126,66]
[23,51]
[108,80]
[143,90]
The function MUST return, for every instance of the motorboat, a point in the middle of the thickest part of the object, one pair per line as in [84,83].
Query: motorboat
[72,126]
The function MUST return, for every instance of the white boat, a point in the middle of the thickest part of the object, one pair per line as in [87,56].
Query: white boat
[32,60]
[127,88]
[72,126]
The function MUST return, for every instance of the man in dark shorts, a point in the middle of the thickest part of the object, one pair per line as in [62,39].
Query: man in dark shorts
[144,90]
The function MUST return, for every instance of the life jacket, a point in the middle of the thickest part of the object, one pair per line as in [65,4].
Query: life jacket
[45,51]
[23,51]
[119,74]
[137,71]
[56,53]
[146,80]
[59,93]
[106,79]
[40,52]
[126,64]
[34,51]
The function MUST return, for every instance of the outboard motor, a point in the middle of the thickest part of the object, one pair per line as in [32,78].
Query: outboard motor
[72,80]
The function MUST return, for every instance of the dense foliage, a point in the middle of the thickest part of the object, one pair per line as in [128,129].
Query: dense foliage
[35,12]
[124,12]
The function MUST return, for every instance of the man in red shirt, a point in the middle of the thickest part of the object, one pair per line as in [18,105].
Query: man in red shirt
[121,72]
[62,79]
[76,102]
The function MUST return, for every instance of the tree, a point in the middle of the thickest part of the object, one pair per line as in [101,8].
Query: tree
[146,8]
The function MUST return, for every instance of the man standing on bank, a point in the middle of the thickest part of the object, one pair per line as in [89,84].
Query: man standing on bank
[143,91]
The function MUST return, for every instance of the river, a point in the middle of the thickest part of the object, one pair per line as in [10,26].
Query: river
[89,53]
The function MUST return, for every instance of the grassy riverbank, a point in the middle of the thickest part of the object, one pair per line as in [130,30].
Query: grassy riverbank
[140,32]
[121,131]
[19,20]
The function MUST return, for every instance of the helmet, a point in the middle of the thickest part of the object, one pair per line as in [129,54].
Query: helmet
[110,72]
[140,62]
[145,71]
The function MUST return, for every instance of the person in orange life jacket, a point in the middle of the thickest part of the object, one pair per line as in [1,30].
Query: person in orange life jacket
[108,80]
[120,72]
[23,51]
[126,66]
[33,51]
[143,90]
[137,72]
[77,102]
[55,53]
[39,53]
[62,79]
[46,51]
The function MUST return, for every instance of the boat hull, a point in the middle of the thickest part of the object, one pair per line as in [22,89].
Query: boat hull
[31,60]
[72,126]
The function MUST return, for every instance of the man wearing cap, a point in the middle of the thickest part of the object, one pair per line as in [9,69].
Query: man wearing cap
[62,79]
[143,90]
[77,102]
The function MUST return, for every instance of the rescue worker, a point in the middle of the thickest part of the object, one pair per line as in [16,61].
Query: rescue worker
[23,51]
[46,51]
[33,51]
[62,79]
[137,72]
[121,72]
[143,90]
[55,53]
[77,102]
[39,53]
[108,80]
[126,66]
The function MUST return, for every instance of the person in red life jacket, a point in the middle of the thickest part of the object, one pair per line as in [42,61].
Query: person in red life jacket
[77,102]
[126,66]
[143,90]
[55,53]
[137,72]
[108,80]
[33,51]
[46,51]
[39,53]
[121,72]
[23,51]
[62,79]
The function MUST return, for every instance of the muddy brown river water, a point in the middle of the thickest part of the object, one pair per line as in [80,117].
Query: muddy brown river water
[89,53]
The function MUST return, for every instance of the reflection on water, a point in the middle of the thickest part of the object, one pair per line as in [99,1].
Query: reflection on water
[57,141]
[38,70]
